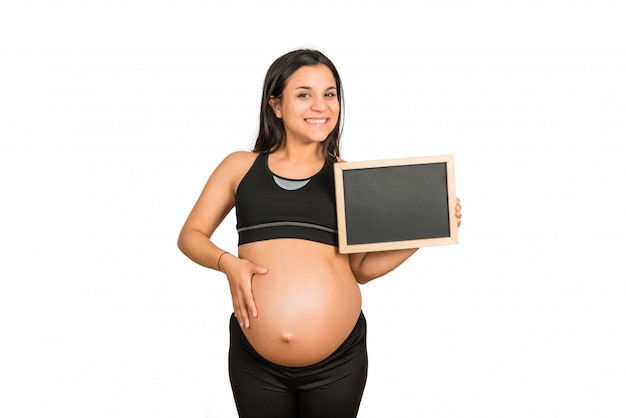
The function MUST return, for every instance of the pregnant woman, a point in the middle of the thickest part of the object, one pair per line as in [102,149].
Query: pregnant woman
[297,334]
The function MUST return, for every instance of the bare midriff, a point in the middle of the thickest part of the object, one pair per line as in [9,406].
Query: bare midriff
[307,303]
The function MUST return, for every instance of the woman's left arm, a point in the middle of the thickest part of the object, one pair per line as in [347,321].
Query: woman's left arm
[369,266]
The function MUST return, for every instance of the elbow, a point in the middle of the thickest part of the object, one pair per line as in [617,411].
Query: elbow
[362,278]
[180,243]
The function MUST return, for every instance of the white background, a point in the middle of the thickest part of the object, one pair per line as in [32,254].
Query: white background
[114,113]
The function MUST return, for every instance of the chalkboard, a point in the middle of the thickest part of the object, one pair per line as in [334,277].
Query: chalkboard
[395,203]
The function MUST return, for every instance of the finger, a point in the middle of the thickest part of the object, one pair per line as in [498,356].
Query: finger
[250,297]
[241,310]
[251,306]
[237,310]
[241,305]
[260,270]
[243,318]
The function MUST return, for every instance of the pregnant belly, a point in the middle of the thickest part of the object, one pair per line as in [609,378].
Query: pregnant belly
[306,308]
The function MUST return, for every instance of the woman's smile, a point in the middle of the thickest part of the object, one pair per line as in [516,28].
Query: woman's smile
[316,121]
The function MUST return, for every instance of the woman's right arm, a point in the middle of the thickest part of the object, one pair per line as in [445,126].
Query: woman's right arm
[215,202]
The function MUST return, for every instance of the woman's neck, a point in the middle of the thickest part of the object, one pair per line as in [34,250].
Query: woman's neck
[296,162]
[300,153]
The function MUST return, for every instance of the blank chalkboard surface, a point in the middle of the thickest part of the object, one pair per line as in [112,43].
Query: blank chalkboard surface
[395,203]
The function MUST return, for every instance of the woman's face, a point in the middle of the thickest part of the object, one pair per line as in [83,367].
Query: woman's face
[309,107]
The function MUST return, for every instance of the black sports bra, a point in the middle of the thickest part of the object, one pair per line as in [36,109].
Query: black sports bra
[270,207]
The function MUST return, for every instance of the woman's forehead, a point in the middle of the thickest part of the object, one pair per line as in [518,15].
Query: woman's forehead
[312,76]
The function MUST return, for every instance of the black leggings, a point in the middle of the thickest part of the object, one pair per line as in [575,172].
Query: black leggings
[331,388]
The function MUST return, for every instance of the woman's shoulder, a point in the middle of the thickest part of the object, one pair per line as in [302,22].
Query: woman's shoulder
[236,164]
[239,159]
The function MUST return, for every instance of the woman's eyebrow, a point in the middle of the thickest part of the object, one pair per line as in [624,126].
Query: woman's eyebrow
[311,88]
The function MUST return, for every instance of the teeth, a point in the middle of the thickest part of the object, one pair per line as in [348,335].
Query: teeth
[316,120]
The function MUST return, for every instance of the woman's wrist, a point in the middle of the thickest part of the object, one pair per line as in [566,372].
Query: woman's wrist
[223,260]
[219,260]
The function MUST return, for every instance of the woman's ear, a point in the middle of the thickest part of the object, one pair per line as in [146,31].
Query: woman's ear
[274,103]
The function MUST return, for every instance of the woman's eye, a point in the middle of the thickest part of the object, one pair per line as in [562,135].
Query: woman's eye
[330,94]
[304,95]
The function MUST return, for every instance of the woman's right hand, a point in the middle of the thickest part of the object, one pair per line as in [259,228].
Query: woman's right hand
[239,273]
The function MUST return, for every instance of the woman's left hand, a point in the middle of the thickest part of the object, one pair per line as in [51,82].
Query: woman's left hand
[457,211]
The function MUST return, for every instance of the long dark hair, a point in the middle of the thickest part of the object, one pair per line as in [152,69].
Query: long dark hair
[271,130]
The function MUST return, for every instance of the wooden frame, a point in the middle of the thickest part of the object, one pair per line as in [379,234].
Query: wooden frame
[376,201]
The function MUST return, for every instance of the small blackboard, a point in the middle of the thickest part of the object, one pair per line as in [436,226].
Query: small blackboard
[395,204]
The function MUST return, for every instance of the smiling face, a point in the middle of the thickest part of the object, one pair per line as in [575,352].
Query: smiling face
[309,105]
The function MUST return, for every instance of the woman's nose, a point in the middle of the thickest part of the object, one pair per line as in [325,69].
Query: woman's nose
[319,103]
